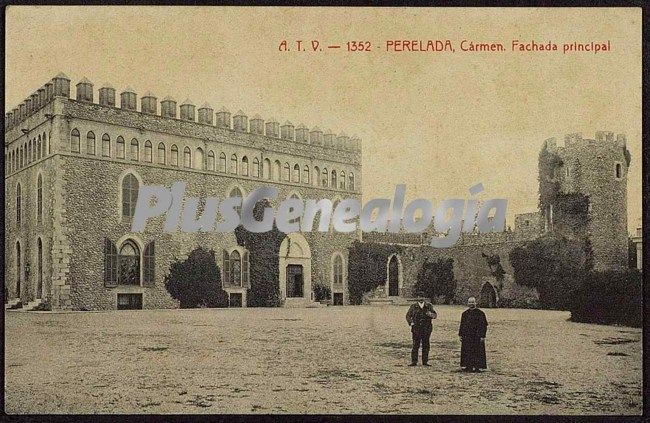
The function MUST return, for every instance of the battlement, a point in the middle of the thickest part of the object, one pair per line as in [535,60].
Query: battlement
[602,138]
[59,86]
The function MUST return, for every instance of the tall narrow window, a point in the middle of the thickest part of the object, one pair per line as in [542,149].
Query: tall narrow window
[19,269]
[29,151]
[110,263]
[38,148]
[39,199]
[325,177]
[236,192]
[334,179]
[235,268]
[337,271]
[286,172]
[296,173]
[135,150]
[256,168]
[39,263]
[90,143]
[233,164]
[44,146]
[351,181]
[306,175]
[316,176]
[74,140]
[211,160]
[244,166]
[187,157]
[147,152]
[266,169]
[161,154]
[149,265]
[619,171]
[277,170]
[129,264]
[199,159]
[173,159]
[342,183]
[222,162]
[19,204]
[120,148]
[106,145]
[129,195]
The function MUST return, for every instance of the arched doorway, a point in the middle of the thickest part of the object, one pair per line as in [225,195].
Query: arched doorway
[394,274]
[295,268]
[488,296]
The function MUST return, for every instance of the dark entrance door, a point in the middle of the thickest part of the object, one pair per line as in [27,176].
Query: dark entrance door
[129,301]
[235,300]
[488,297]
[338,298]
[294,281]
[393,277]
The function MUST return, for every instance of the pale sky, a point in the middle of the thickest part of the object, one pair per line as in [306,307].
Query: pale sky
[438,122]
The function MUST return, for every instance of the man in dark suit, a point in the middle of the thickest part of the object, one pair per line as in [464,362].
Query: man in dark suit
[419,318]
[473,327]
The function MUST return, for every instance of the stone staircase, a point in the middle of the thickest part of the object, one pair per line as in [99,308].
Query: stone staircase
[32,305]
[13,304]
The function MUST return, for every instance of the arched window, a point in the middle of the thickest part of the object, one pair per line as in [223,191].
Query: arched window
[19,204]
[199,159]
[266,169]
[277,170]
[236,269]
[351,181]
[90,143]
[120,147]
[129,195]
[296,173]
[316,176]
[306,175]
[148,154]
[333,185]
[211,160]
[244,166]
[135,150]
[39,264]
[29,151]
[286,172]
[342,183]
[233,164]
[20,155]
[106,145]
[74,140]
[39,199]
[129,264]
[222,162]
[256,168]
[162,153]
[173,160]
[337,270]
[44,146]
[324,177]
[38,148]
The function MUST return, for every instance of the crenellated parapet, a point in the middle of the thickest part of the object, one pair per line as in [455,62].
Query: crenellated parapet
[59,86]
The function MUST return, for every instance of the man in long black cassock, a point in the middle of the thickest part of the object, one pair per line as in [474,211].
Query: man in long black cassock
[419,318]
[473,327]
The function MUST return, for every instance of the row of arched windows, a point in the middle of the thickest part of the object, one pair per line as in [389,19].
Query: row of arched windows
[29,152]
[39,202]
[234,165]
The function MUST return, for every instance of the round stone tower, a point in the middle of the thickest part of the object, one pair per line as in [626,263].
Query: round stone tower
[589,177]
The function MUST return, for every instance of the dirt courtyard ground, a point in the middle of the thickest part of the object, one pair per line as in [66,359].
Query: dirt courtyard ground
[323,360]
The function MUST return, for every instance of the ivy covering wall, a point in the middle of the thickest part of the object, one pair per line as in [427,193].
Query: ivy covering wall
[367,267]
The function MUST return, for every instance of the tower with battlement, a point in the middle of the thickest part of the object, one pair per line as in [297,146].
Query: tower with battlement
[590,179]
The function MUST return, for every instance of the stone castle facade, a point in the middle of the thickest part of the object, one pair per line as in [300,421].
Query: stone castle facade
[73,168]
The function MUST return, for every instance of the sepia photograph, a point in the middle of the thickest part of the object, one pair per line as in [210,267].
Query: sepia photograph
[323,210]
